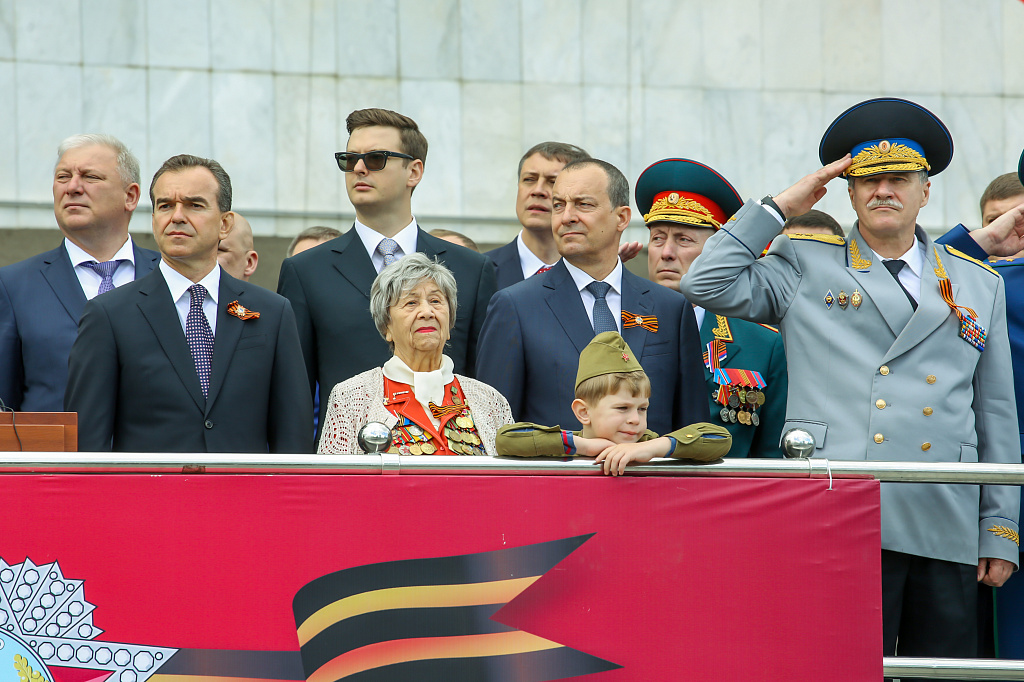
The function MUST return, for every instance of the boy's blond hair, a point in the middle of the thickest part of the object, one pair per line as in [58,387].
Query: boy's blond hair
[593,389]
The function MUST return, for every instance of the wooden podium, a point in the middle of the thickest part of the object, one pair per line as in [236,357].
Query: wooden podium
[39,431]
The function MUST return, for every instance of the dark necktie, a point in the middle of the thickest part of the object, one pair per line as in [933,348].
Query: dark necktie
[894,266]
[604,321]
[106,272]
[199,336]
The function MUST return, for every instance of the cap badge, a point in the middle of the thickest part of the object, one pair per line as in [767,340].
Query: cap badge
[884,146]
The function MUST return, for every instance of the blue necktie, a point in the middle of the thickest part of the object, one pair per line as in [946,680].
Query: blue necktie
[604,321]
[387,248]
[106,272]
[199,336]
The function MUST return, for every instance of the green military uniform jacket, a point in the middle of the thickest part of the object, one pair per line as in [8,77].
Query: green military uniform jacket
[701,441]
[758,348]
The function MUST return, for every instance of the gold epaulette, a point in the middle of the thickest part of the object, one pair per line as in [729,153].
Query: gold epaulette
[833,239]
[964,256]
[768,326]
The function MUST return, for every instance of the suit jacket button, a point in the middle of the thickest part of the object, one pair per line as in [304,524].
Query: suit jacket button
[208,424]
[930,378]
[884,370]
[926,446]
[927,411]
[879,438]
[880,404]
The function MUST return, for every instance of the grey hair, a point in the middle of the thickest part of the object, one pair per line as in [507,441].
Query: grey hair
[398,278]
[127,164]
[922,175]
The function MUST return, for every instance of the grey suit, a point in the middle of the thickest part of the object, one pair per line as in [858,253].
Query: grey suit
[880,381]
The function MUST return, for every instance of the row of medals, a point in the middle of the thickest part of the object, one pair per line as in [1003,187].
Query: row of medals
[743,404]
[460,432]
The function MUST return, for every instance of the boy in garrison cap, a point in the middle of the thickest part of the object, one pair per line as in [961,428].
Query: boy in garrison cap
[612,396]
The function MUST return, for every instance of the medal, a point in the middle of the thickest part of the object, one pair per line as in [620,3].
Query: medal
[428,448]
[754,419]
[752,397]
[843,299]
[415,449]
[734,401]
[856,299]
[732,416]
[760,398]
[724,414]
[829,299]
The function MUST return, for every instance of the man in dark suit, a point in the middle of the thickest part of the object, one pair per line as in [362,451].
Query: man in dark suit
[535,330]
[189,359]
[329,285]
[95,191]
[534,250]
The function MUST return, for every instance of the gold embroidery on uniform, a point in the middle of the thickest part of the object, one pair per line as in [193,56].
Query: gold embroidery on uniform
[1004,532]
[940,269]
[722,331]
[25,671]
[886,158]
[961,254]
[823,238]
[858,262]
[682,210]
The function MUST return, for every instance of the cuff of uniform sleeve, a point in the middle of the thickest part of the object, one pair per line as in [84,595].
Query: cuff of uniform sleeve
[568,443]
[999,538]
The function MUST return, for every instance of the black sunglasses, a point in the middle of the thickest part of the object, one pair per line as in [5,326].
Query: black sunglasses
[374,161]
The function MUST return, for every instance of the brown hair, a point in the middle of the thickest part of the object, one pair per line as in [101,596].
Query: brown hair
[184,162]
[560,151]
[318,233]
[593,389]
[413,142]
[815,218]
[1006,186]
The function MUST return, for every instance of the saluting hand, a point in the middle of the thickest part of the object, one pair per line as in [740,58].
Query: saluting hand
[801,197]
[1004,236]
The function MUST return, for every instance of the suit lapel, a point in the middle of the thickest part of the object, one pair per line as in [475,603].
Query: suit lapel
[353,263]
[229,329]
[932,310]
[144,261]
[563,298]
[157,307]
[877,284]
[635,300]
[60,274]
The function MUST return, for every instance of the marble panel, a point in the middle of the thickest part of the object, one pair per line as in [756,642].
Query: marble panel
[847,22]
[788,63]
[362,93]
[792,128]
[837,201]
[178,33]
[735,37]
[429,32]
[552,112]
[904,67]
[666,58]
[114,103]
[977,125]
[306,137]
[8,143]
[242,35]
[179,115]
[114,32]
[356,21]
[1013,132]
[1012,22]
[972,47]
[552,41]
[491,40]
[673,123]
[304,36]
[606,129]
[49,101]
[605,42]
[733,137]
[8,29]
[491,148]
[243,135]
[636,128]
[436,106]
[48,31]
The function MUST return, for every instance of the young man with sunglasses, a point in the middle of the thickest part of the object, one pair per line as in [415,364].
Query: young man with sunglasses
[329,285]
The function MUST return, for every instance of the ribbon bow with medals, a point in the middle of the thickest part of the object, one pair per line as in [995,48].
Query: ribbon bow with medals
[739,390]
[458,426]
[971,330]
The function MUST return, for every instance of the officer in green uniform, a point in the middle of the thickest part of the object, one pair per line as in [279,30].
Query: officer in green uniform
[683,203]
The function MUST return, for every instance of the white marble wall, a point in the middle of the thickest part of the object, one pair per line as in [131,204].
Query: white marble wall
[264,86]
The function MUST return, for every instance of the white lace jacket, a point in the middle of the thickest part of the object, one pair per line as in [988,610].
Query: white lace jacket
[359,400]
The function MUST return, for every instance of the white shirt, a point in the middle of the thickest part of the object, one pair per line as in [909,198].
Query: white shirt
[406,239]
[427,387]
[528,259]
[910,275]
[179,284]
[89,278]
[613,298]
[698,312]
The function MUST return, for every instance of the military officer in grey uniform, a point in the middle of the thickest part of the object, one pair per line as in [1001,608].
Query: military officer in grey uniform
[897,350]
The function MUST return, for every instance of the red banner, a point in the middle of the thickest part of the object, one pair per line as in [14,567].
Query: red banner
[164,577]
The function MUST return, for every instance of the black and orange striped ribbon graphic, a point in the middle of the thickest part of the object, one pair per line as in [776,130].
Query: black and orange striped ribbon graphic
[648,322]
[430,619]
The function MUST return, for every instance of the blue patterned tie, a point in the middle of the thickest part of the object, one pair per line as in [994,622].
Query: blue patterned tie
[106,272]
[604,321]
[387,248]
[199,336]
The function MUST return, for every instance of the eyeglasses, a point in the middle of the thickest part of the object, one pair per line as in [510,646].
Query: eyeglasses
[374,161]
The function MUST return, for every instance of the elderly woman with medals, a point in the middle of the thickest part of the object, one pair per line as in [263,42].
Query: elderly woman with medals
[429,409]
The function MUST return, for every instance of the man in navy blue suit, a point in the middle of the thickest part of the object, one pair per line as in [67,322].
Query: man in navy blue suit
[534,331]
[95,191]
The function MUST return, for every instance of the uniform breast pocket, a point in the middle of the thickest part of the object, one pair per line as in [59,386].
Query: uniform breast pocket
[254,341]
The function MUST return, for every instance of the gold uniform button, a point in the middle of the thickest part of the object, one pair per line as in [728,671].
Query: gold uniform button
[930,378]
[879,438]
[884,370]
[880,404]
[926,446]
[928,411]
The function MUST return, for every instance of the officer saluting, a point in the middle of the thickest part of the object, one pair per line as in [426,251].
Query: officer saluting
[897,350]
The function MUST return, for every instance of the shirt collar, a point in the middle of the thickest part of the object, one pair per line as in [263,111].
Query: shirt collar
[406,237]
[582,279]
[78,255]
[528,259]
[914,257]
[179,283]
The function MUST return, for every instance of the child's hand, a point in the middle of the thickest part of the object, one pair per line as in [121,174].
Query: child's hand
[615,458]
[590,447]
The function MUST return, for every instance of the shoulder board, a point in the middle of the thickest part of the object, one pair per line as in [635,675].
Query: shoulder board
[1004,262]
[823,238]
[964,256]
[768,327]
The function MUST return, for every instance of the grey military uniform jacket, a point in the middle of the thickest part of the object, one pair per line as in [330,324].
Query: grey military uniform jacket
[880,381]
